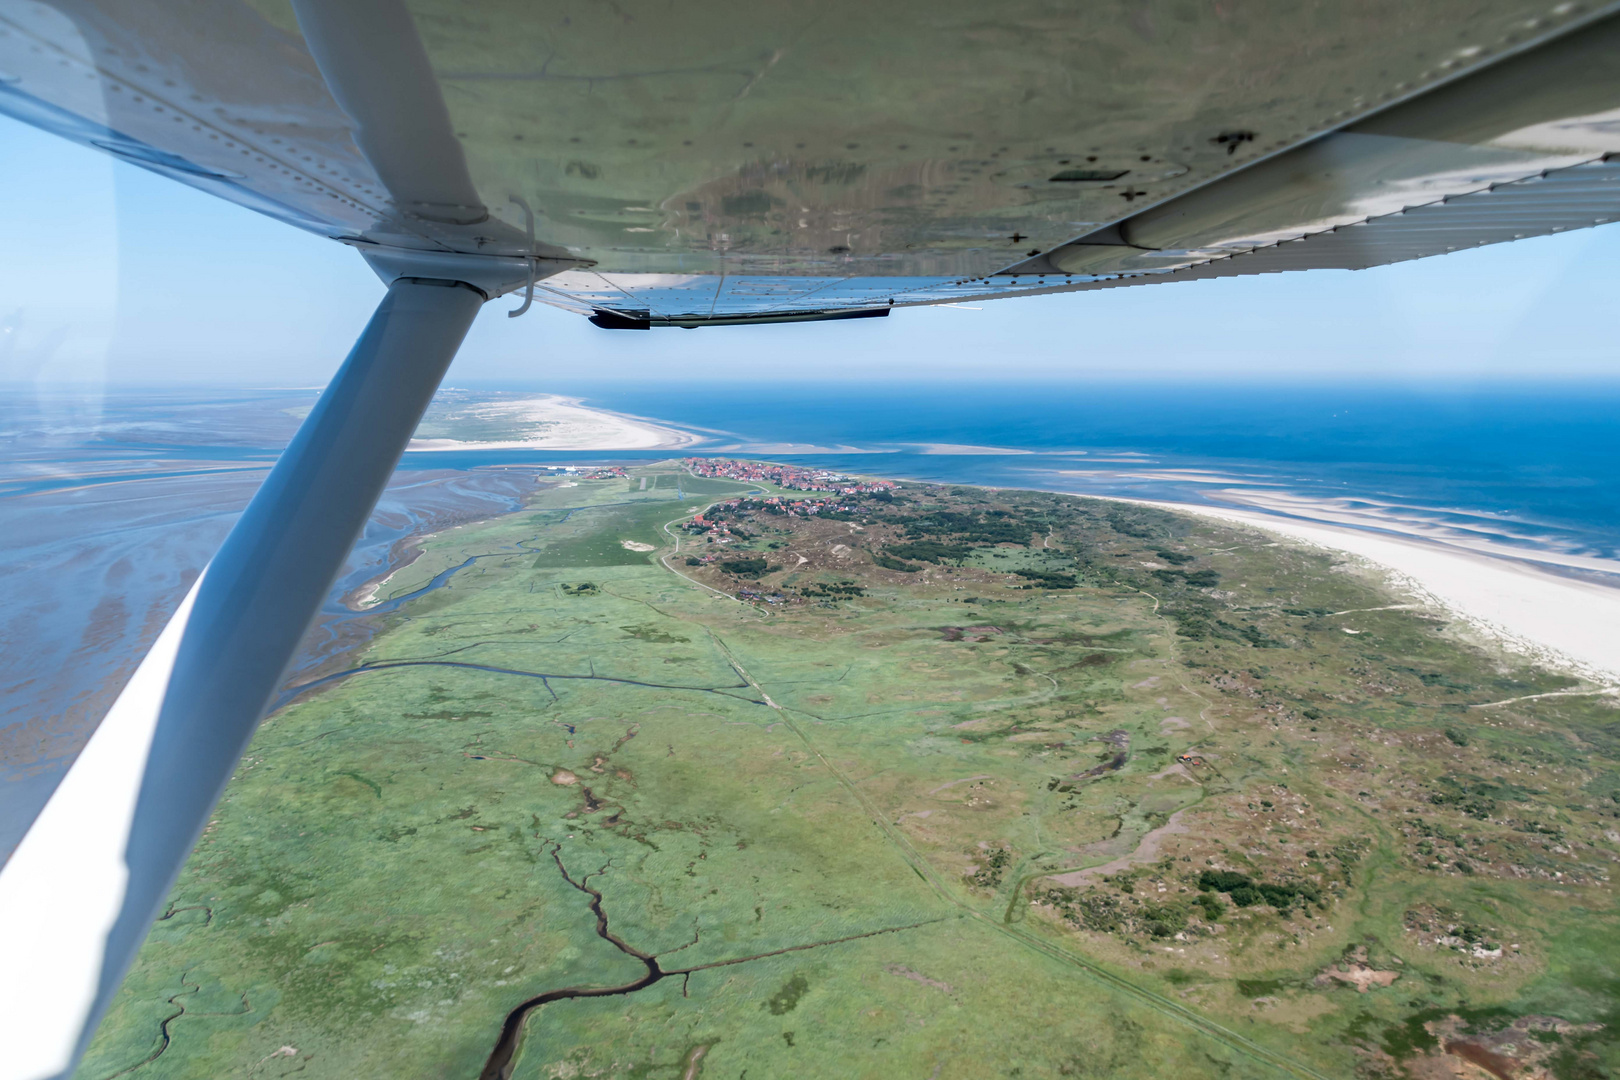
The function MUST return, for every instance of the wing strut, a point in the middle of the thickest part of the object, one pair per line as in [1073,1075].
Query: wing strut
[80,893]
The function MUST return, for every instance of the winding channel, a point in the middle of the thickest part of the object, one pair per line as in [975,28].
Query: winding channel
[504,1056]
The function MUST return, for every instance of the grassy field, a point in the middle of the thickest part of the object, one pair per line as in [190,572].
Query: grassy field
[1106,792]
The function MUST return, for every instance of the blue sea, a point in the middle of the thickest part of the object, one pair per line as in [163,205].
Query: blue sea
[111,503]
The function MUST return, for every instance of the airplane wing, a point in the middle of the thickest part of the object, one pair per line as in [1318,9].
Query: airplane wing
[762,162]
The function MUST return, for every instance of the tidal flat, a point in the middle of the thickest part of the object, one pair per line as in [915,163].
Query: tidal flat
[952,783]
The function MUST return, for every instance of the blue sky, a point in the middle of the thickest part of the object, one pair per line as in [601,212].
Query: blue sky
[112,274]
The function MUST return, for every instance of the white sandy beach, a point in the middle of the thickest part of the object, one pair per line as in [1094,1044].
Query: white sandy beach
[1563,622]
[553,422]
[1486,534]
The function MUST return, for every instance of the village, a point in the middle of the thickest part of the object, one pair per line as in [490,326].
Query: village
[713,524]
[791,477]
[721,523]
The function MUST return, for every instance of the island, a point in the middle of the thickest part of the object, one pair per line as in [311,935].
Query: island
[736,769]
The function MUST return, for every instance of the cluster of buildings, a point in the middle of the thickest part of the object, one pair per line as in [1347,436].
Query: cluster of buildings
[746,593]
[788,476]
[713,529]
[711,526]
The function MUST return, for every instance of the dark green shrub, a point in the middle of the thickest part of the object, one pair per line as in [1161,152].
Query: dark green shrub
[1245,896]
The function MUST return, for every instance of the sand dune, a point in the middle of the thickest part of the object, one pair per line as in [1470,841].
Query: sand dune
[1565,622]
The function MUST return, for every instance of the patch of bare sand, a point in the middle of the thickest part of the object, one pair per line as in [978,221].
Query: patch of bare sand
[1145,852]
[1358,975]
[1354,970]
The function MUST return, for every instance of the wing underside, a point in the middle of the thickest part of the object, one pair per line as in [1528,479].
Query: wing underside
[739,163]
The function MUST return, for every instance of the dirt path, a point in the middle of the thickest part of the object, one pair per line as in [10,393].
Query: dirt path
[1551,693]
[663,560]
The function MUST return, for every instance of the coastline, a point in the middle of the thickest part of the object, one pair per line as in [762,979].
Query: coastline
[1363,515]
[1551,606]
[1538,604]
[1562,622]
[563,423]
[76,650]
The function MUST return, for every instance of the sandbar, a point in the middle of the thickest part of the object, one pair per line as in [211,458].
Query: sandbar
[554,422]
